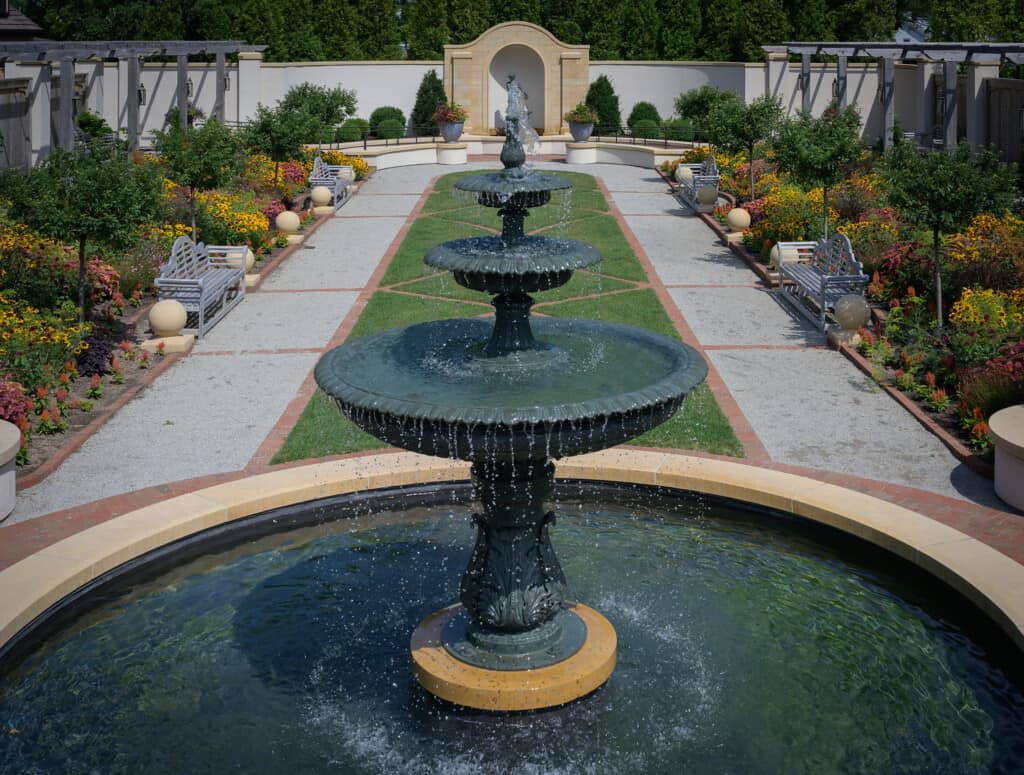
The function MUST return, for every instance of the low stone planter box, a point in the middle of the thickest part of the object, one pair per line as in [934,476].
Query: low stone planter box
[10,443]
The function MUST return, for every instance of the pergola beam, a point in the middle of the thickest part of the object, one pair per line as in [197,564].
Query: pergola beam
[45,51]
[944,52]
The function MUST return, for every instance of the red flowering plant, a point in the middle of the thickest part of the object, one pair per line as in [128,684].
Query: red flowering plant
[449,113]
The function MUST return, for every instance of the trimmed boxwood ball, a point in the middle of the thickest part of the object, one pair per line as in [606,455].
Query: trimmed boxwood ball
[390,129]
[384,113]
[643,111]
[679,129]
[353,130]
[646,128]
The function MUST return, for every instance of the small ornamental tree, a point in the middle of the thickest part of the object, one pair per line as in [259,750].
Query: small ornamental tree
[279,134]
[697,104]
[736,127]
[324,106]
[815,151]
[428,97]
[944,191]
[601,97]
[199,159]
[92,193]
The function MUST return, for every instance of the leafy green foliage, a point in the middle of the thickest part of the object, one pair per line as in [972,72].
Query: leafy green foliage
[646,128]
[384,113]
[353,130]
[606,31]
[92,193]
[280,133]
[601,97]
[199,159]
[93,124]
[428,97]
[467,19]
[640,34]
[816,151]
[428,30]
[736,127]
[680,23]
[679,129]
[643,110]
[942,192]
[326,106]
[390,129]
[696,104]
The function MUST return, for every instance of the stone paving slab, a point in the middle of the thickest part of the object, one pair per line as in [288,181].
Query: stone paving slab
[273,321]
[368,204]
[648,204]
[813,408]
[743,316]
[341,253]
[684,251]
[206,415]
[621,178]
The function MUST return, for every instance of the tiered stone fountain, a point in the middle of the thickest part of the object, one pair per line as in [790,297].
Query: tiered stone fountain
[511,396]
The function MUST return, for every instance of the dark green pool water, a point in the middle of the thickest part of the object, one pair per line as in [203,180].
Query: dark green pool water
[746,645]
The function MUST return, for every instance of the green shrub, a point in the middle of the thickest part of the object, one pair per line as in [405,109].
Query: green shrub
[92,124]
[646,128]
[352,130]
[430,94]
[390,129]
[697,104]
[601,97]
[382,114]
[643,111]
[679,129]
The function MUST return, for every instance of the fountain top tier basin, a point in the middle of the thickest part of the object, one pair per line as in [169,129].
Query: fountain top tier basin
[512,181]
[589,385]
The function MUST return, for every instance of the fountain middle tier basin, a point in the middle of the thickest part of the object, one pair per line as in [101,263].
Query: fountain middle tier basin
[530,264]
[429,388]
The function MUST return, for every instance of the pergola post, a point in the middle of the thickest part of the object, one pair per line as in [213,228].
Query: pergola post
[183,90]
[886,90]
[218,100]
[805,83]
[132,102]
[840,93]
[949,78]
[65,108]
[977,103]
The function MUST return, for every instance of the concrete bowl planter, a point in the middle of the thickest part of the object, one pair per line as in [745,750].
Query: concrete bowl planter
[451,131]
[581,131]
[1006,430]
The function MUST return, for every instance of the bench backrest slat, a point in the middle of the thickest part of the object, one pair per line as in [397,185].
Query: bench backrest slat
[188,260]
[835,256]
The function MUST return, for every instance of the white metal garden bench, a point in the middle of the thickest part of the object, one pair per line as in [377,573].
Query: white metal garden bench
[820,271]
[339,178]
[700,190]
[208,280]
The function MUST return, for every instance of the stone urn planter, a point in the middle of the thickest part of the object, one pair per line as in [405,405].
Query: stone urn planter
[581,131]
[1006,430]
[451,131]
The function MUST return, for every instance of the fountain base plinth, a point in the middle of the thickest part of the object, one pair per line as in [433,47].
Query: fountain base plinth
[554,641]
[461,683]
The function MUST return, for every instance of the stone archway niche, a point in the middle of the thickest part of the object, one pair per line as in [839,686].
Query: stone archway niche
[554,75]
[528,68]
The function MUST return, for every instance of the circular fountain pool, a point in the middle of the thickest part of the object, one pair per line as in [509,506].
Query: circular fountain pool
[750,643]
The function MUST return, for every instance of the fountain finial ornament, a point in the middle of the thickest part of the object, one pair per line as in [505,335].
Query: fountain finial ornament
[511,396]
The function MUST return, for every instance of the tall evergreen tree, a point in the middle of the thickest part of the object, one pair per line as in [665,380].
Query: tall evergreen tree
[763,24]
[427,30]
[467,19]
[640,36]
[721,33]
[978,20]
[517,11]
[680,23]
[428,97]
[565,20]
[377,28]
[262,22]
[337,23]
[606,31]
[866,20]
[811,19]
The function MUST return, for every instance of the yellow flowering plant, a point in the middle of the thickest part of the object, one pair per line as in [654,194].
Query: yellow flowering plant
[35,344]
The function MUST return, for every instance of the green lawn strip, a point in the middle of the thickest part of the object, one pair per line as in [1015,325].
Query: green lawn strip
[617,257]
[321,431]
[701,423]
[424,234]
[387,310]
[582,284]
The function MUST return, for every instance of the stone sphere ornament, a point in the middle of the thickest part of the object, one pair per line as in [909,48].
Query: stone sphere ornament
[738,219]
[287,222]
[167,318]
[321,196]
[852,312]
[683,173]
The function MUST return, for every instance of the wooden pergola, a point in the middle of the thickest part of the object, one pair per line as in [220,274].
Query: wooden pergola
[950,55]
[67,53]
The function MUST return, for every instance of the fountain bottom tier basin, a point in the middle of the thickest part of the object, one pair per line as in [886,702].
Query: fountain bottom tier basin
[748,641]
[588,385]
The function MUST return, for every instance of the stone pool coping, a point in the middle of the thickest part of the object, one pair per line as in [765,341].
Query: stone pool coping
[985,576]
